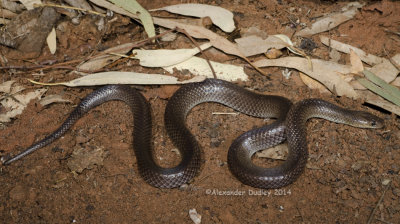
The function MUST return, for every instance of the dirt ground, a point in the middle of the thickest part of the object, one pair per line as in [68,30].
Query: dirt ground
[347,169]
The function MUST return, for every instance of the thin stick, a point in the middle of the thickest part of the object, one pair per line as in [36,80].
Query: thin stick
[69,7]
[377,204]
[198,47]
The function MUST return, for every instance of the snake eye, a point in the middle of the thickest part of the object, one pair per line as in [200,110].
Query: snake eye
[373,123]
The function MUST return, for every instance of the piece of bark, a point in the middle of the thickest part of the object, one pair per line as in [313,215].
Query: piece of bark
[28,31]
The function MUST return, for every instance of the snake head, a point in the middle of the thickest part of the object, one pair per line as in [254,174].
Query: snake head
[367,120]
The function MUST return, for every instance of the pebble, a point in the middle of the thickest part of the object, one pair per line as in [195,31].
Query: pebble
[184,187]
[357,166]
[196,218]
[385,182]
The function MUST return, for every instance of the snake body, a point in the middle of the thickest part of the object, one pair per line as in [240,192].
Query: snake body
[290,124]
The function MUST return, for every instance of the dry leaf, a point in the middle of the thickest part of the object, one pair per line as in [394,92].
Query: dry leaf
[52,41]
[345,48]
[385,70]
[134,7]
[379,101]
[396,82]
[112,7]
[325,72]
[356,63]
[382,67]
[312,83]
[105,78]
[29,3]
[8,14]
[17,103]
[86,159]
[200,32]
[277,152]
[329,22]
[253,45]
[54,98]
[103,60]
[219,16]
[164,57]
[199,66]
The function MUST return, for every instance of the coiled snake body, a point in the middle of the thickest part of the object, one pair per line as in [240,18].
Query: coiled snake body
[290,124]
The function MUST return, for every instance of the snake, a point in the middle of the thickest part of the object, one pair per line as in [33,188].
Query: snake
[290,124]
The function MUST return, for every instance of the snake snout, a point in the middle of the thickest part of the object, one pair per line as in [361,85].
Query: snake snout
[368,120]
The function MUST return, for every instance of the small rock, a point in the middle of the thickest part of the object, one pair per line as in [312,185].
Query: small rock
[357,166]
[184,187]
[196,218]
[385,182]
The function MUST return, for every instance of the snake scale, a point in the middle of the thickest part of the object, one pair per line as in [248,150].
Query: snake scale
[290,124]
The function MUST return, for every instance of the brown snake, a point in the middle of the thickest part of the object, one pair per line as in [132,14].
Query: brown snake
[290,125]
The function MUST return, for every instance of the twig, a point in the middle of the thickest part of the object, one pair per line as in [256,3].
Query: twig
[198,47]
[377,204]
[390,59]
[63,65]
[69,7]
[386,222]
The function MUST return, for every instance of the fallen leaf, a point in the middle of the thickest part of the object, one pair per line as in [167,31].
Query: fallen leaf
[8,14]
[17,102]
[330,21]
[199,66]
[345,48]
[104,78]
[134,7]
[277,152]
[380,87]
[82,159]
[376,100]
[52,41]
[219,16]
[164,57]
[382,67]
[5,87]
[29,4]
[104,60]
[114,8]
[312,83]
[326,72]
[54,98]
[396,82]
[385,70]
[216,40]
[253,45]
[356,63]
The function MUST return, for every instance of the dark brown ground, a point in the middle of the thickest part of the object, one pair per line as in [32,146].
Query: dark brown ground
[348,164]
